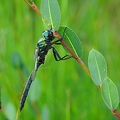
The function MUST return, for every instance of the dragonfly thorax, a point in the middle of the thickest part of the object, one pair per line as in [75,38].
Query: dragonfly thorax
[41,43]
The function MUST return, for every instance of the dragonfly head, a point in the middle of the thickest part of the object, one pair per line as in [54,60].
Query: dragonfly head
[48,35]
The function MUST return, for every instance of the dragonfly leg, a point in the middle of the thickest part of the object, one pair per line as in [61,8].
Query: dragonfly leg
[57,42]
[58,57]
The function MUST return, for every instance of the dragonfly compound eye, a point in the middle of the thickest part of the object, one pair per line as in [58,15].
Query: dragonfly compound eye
[46,34]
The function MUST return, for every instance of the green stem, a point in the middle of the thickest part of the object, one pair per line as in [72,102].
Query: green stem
[116,113]
[56,34]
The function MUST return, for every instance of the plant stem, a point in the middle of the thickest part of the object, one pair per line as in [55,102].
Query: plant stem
[56,34]
[116,113]
[33,6]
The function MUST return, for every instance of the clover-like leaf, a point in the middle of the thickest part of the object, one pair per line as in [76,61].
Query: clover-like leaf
[71,39]
[50,14]
[97,66]
[110,94]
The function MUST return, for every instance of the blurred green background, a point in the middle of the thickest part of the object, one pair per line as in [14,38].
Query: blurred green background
[62,90]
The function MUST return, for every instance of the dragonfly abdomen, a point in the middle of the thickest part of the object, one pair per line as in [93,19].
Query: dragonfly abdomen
[25,92]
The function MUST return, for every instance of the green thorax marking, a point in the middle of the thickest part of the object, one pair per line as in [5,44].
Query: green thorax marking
[41,42]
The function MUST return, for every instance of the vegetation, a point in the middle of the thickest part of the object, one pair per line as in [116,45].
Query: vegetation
[61,90]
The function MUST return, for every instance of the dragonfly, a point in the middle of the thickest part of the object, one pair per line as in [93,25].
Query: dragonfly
[44,44]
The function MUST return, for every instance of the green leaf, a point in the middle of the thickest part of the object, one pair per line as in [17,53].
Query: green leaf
[71,39]
[50,12]
[110,94]
[97,66]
